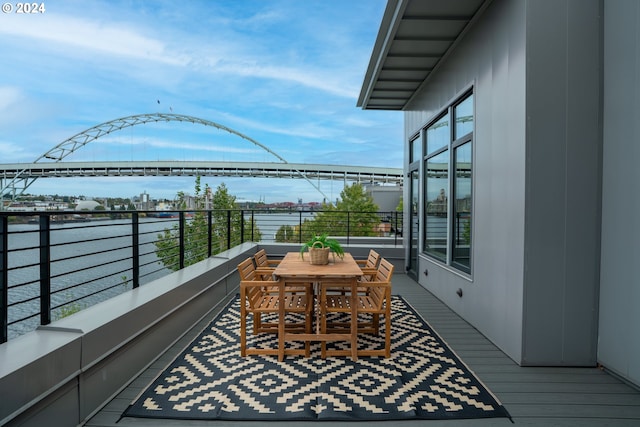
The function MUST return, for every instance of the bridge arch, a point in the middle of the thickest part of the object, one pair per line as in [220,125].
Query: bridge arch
[19,183]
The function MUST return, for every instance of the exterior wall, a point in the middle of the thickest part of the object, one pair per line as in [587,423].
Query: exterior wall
[563,175]
[535,67]
[619,346]
[492,59]
[387,197]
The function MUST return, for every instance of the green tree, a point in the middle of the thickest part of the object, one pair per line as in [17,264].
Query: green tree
[355,213]
[287,234]
[196,228]
[225,211]
[195,235]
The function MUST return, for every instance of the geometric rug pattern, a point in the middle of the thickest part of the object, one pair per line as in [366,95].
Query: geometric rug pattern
[423,379]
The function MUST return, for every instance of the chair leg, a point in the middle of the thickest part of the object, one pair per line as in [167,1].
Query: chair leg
[257,323]
[308,329]
[375,321]
[387,321]
[243,328]
[387,337]
[281,330]
[323,323]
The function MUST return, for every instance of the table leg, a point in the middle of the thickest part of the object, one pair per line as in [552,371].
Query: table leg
[281,322]
[354,319]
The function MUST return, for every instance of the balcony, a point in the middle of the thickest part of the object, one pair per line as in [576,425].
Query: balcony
[87,368]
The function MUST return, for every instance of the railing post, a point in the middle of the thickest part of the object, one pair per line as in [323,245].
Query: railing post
[181,239]
[300,227]
[253,225]
[228,229]
[395,228]
[241,226]
[348,226]
[45,269]
[135,246]
[209,233]
[4,278]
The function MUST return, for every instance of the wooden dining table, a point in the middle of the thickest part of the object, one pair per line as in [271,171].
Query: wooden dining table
[295,269]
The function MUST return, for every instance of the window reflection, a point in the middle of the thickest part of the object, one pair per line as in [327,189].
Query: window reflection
[464,117]
[416,150]
[438,135]
[462,207]
[437,185]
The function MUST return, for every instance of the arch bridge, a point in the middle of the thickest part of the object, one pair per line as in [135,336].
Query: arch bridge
[16,178]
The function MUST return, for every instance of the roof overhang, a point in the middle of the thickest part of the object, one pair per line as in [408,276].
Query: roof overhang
[415,37]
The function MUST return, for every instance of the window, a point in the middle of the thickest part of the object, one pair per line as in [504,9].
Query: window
[448,171]
[437,187]
[438,135]
[461,256]
[463,113]
[416,150]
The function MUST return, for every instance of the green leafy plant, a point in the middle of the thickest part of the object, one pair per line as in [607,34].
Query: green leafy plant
[68,310]
[323,241]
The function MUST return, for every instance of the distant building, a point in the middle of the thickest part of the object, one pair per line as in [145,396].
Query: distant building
[387,197]
[86,205]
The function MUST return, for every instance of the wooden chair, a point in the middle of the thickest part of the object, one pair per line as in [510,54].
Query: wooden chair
[248,272]
[369,266]
[263,262]
[259,297]
[373,299]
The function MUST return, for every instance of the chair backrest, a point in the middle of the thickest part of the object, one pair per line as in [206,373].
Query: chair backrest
[379,294]
[261,258]
[247,269]
[373,259]
[385,271]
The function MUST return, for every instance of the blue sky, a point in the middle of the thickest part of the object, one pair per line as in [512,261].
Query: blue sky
[286,73]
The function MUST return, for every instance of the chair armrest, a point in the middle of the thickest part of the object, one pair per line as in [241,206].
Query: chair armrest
[259,283]
[373,284]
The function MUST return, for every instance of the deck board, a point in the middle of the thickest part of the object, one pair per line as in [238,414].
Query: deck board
[534,396]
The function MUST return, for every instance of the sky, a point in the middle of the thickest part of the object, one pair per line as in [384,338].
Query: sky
[286,73]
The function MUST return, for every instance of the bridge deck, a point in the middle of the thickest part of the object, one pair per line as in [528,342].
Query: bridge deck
[202,168]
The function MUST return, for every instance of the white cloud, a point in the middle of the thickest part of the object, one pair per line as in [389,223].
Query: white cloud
[313,78]
[9,96]
[284,73]
[93,35]
[11,153]
[179,145]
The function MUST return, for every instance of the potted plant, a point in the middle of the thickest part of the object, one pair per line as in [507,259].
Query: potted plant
[319,247]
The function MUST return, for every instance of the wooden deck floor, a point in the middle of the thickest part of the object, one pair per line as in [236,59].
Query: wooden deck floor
[533,396]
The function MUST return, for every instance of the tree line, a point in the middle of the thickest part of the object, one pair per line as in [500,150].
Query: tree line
[354,214]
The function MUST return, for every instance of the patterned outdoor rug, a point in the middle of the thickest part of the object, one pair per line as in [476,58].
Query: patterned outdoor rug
[423,379]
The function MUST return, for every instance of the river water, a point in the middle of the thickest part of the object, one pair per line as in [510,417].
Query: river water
[92,259]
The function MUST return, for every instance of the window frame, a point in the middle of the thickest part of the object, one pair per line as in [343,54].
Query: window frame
[449,259]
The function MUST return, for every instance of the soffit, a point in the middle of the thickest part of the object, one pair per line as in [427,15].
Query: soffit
[415,36]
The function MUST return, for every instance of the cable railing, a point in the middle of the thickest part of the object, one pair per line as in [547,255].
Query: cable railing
[53,264]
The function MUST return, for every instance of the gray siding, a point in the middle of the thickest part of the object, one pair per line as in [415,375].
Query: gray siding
[492,58]
[536,71]
[563,175]
[619,346]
